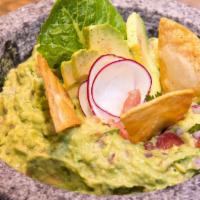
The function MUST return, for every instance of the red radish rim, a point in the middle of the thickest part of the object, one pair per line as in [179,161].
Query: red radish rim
[88,82]
[86,95]
[79,89]
[92,92]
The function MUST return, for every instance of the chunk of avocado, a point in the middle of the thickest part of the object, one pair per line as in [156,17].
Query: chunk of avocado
[67,74]
[139,45]
[82,61]
[106,40]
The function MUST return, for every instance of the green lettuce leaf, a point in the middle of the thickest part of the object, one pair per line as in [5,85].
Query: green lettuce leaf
[61,35]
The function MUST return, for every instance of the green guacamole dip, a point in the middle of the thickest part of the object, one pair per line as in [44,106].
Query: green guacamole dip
[92,158]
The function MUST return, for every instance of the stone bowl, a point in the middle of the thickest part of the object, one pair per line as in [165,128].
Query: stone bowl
[18,32]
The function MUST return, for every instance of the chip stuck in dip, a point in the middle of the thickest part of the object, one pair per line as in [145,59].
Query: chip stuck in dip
[101,108]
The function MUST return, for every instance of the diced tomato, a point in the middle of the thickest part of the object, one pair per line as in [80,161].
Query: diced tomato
[167,140]
[124,134]
[133,99]
[120,126]
[198,143]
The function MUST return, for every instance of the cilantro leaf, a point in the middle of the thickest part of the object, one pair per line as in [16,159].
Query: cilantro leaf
[194,128]
[151,97]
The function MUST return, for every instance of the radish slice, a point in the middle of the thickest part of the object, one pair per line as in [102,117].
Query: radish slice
[112,84]
[97,66]
[82,95]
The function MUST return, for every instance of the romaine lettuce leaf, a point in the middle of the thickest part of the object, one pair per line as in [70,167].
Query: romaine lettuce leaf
[61,35]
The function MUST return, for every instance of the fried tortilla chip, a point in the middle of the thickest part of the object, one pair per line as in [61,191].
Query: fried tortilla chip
[61,108]
[179,54]
[148,119]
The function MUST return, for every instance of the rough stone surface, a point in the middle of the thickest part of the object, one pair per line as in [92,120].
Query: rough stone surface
[22,26]
[19,29]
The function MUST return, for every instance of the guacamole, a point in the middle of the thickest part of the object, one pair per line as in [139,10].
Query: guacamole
[92,158]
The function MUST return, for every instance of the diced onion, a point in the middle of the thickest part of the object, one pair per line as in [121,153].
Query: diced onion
[196,109]
[197,162]
[196,135]
[179,131]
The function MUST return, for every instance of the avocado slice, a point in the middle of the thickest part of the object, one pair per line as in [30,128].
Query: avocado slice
[73,94]
[139,45]
[153,45]
[73,91]
[67,74]
[82,61]
[106,40]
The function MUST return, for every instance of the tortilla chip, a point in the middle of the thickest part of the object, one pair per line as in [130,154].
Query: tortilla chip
[179,53]
[61,108]
[148,119]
